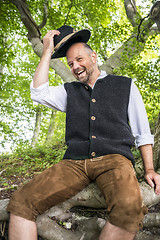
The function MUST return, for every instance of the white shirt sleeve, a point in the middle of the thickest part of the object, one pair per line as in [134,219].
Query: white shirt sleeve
[56,98]
[138,118]
[50,96]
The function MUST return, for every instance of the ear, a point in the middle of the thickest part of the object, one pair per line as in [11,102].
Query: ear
[94,57]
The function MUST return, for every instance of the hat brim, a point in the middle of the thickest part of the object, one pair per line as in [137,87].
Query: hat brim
[80,36]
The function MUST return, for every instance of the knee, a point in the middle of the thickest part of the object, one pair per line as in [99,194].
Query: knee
[130,205]
[21,207]
[128,213]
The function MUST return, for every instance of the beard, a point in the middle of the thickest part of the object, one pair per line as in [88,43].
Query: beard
[83,74]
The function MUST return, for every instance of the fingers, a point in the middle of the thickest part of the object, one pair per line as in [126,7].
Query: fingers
[48,43]
[157,182]
[52,33]
[149,180]
[153,180]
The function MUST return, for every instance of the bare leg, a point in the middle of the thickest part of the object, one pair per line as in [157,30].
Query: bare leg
[21,229]
[111,232]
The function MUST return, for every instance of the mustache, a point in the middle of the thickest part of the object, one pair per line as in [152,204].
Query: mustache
[76,71]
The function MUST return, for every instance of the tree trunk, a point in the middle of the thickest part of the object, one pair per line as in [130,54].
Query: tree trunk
[130,48]
[155,13]
[63,223]
[156,149]
[37,127]
[85,227]
[51,127]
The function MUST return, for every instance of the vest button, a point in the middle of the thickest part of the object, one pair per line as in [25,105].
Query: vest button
[93,154]
[94,136]
[93,118]
[86,87]
[93,100]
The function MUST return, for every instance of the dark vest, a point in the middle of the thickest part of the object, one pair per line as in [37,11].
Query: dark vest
[97,119]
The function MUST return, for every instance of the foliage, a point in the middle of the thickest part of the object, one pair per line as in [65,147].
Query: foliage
[28,162]
[59,127]
[145,69]
[110,29]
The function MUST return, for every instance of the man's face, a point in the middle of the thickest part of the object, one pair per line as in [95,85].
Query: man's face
[81,62]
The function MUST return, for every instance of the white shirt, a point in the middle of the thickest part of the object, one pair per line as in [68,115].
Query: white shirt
[55,97]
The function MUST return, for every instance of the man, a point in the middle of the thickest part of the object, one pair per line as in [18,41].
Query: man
[98,107]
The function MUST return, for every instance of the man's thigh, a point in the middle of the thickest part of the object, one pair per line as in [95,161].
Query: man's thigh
[122,193]
[56,184]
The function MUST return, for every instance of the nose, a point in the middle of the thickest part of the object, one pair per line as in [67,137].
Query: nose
[76,65]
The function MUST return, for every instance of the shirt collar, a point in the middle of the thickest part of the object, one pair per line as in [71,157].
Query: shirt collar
[102,75]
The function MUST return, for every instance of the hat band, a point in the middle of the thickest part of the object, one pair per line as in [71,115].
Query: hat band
[64,40]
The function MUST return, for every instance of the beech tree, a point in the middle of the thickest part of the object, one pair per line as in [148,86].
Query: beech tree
[126,38]
[115,28]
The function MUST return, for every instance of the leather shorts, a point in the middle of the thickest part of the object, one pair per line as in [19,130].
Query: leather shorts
[114,175]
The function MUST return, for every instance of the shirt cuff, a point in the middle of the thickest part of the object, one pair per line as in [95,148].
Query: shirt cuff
[144,139]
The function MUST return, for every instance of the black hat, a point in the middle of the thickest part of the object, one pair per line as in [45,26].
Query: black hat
[66,38]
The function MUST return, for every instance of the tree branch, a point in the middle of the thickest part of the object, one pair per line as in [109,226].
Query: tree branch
[155,14]
[60,68]
[133,46]
[131,11]
[113,62]
[30,24]
[85,228]
[34,37]
[68,12]
[45,14]
[129,48]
